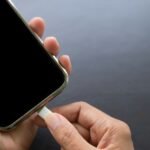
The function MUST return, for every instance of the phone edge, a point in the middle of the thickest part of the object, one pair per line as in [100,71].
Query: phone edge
[48,98]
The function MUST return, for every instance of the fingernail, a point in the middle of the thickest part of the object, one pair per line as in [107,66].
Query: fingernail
[44,112]
[53,121]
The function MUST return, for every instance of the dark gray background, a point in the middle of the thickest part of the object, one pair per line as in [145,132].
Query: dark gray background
[109,44]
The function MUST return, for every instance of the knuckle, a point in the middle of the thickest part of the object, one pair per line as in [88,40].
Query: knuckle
[82,103]
[124,128]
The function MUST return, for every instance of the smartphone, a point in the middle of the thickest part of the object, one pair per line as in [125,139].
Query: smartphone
[29,76]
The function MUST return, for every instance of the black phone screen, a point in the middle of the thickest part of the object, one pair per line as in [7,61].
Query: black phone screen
[27,73]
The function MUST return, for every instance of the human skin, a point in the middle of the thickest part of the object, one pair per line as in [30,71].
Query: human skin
[80,126]
[21,137]
[77,126]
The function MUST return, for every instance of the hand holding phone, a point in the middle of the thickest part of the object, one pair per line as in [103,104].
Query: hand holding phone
[30,77]
[15,139]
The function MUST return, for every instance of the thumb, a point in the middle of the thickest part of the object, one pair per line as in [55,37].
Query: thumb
[65,133]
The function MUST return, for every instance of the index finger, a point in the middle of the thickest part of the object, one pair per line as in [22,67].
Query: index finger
[82,113]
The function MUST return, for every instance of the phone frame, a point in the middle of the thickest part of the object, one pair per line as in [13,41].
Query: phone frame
[52,95]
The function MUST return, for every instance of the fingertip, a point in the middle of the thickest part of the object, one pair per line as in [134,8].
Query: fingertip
[39,121]
[52,45]
[44,112]
[66,63]
[37,24]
